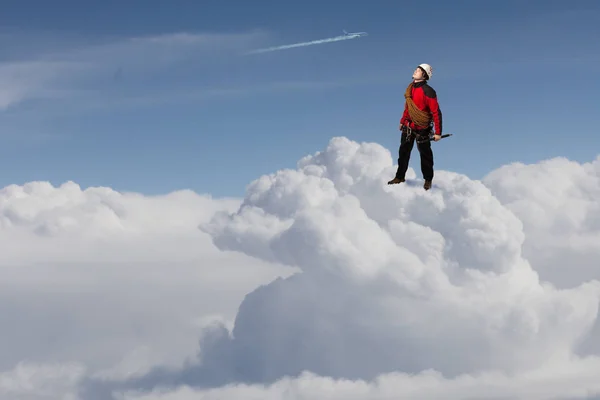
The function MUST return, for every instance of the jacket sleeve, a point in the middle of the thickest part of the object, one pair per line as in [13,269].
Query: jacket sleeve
[405,116]
[434,107]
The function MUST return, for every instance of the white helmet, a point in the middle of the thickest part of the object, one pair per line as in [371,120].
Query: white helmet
[427,69]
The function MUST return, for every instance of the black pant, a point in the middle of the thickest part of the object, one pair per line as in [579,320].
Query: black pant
[425,152]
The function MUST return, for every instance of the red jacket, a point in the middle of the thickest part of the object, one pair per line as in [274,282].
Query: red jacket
[425,99]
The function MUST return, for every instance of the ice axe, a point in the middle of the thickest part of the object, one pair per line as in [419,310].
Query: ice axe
[443,136]
[431,138]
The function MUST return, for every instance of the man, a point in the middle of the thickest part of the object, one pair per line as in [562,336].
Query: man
[421,112]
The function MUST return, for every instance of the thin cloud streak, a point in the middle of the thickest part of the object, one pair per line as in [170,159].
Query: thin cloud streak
[87,69]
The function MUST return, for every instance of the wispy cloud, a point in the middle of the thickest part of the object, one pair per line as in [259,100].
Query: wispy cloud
[23,80]
[133,72]
[87,69]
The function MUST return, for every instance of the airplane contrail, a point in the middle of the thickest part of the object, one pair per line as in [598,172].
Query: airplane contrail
[313,42]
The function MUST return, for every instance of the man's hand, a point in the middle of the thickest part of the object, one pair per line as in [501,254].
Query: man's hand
[437,137]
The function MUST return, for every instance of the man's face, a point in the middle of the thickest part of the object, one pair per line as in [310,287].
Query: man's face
[418,74]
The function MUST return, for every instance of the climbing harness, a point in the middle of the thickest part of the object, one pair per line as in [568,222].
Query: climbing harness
[420,136]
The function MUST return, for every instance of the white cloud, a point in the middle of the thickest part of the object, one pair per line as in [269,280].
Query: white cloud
[400,291]
[557,201]
[116,281]
[570,380]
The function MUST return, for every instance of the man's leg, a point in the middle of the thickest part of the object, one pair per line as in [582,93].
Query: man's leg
[426,154]
[404,151]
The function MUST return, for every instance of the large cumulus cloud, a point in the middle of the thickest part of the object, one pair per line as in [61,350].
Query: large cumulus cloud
[399,292]
[393,278]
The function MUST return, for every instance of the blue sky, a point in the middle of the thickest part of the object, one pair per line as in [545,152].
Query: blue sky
[158,96]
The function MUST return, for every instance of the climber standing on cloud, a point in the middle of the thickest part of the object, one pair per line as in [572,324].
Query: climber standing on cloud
[421,111]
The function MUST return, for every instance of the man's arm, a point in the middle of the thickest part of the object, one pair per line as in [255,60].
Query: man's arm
[404,120]
[432,103]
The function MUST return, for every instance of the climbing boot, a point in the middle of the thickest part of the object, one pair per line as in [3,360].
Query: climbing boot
[427,185]
[395,181]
